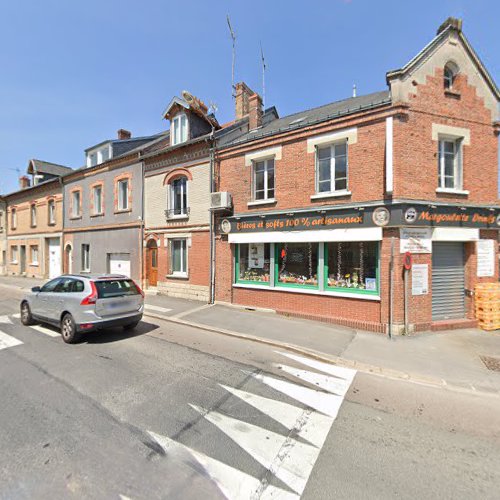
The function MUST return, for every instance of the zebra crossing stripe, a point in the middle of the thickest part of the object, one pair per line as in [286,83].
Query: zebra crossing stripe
[46,331]
[8,341]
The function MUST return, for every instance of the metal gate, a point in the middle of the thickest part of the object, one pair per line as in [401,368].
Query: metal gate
[448,281]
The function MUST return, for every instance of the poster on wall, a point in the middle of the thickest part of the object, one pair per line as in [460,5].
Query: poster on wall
[415,240]
[256,256]
[420,279]
[485,258]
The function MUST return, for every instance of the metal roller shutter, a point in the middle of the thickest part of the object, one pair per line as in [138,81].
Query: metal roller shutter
[448,281]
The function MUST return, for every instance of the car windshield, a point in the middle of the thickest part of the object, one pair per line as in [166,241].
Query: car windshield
[115,288]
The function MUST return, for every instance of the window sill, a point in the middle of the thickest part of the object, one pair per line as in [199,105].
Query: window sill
[178,217]
[178,276]
[452,191]
[256,203]
[452,93]
[123,210]
[75,217]
[51,223]
[332,194]
[101,214]
[14,262]
[348,295]
[34,264]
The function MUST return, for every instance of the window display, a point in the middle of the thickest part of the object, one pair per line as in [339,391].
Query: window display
[253,263]
[297,264]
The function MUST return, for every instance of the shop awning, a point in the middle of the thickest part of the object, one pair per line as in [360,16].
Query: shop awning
[351,234]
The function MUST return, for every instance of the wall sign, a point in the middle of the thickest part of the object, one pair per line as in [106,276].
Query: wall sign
[485,258]
[415,240]
[420,279]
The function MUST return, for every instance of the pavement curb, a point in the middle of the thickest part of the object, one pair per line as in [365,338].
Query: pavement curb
[334,360]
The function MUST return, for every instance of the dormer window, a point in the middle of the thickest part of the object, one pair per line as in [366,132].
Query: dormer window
[450,72]
[98,156]
[179,129]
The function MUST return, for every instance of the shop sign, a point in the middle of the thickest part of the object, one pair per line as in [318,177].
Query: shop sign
[415,240]
[485,258]
[420,279]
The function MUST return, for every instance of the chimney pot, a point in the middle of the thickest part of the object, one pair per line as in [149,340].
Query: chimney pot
[124,134]
[24,182]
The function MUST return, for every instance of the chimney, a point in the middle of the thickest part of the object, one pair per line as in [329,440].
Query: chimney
[24,182]
[254,112]
[242,96]
[124,134]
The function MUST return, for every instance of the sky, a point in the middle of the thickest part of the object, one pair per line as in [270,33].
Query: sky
[73,72]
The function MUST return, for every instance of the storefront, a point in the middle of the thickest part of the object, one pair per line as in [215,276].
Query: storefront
[335,263]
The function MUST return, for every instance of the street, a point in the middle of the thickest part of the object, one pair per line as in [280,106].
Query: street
[171,411]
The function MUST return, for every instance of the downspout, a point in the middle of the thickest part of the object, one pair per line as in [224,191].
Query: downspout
[211,298]
[142,278]
[63,253]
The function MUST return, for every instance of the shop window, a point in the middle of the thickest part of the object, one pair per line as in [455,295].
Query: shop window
[253,263]
[331,168]
[450,164]
[297,264]
[263,180]
[352,266]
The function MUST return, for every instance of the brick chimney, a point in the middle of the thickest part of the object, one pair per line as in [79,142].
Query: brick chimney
[124,134]
[24,182]
[242,96]
[255,111]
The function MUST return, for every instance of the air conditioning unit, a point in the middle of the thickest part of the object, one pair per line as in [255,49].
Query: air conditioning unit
[221,201]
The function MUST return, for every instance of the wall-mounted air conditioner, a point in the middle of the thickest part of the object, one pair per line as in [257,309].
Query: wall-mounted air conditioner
[221,201]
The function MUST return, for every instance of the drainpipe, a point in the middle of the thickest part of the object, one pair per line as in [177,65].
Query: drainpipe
[391,288]
[63,253]
[211,298]
[142,278]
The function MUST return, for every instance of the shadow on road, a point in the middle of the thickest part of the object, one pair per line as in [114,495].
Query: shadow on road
[117,334]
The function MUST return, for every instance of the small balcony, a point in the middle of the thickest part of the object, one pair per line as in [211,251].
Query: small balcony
[177,213]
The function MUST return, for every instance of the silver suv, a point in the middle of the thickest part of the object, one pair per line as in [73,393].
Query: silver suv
[82,303]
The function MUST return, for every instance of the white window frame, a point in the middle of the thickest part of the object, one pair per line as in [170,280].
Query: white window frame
[33,254]
[76,207]
[183,273]
[266,180]
[85,263]
[171,201]
[14,254]
[99,211]
[13,218]
[121,205]
[457,161]
[33,215]
[332,147]
[178,135]
[51,207]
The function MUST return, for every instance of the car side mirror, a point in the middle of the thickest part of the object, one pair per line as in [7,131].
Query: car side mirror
[36,289]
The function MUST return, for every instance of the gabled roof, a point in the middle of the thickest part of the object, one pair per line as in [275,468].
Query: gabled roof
[45,167]
[448,26]
[175,101]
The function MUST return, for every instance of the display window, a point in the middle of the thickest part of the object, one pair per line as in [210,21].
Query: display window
[253,263]
[297,264]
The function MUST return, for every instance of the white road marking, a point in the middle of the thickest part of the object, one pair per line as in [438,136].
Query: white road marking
[8,341]
[17,315]
[46,331]
[233,483]
[150,307]
[5,320]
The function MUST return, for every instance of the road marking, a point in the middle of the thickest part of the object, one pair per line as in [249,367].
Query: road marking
[46,331]
[150,307]
[17,315]
[8,341]
[233,483]
[5,320]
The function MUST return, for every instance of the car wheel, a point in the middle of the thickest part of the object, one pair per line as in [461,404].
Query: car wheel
[26,317]
[131,326]
[68,330]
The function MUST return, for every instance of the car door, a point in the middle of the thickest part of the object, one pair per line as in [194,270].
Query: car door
[42,302]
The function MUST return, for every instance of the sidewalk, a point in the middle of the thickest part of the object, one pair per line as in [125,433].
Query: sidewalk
[446,359]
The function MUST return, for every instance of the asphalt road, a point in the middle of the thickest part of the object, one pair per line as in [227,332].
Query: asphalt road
[175,412]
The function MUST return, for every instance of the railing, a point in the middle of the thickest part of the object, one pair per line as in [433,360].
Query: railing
[172,213]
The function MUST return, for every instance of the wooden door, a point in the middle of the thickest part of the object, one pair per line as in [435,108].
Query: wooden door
[152,266]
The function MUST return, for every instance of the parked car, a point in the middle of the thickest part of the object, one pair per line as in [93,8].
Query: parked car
[83,303]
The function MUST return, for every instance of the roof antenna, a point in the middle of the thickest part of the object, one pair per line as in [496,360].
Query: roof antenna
[354,90]
[264,67]
[233,37]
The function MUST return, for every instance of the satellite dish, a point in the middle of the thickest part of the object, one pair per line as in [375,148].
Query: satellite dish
[188,97]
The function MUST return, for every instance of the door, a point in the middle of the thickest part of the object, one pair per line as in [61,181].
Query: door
[42,304]
[54,258]
[448,281]
[22,258]
[119,263]
[152,264]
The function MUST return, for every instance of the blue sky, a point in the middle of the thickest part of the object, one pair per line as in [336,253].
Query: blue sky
[73,73]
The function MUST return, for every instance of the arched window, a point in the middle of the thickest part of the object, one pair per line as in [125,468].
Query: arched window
[178,197]
[450,72]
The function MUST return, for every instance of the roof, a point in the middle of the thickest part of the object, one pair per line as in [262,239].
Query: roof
[54,180]
[45,167]
[308,117]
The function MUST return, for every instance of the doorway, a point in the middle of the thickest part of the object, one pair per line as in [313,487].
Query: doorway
[54,246]
[152,263]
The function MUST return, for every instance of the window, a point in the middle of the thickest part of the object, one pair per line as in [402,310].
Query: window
[297,264]
[75,204]
[253,263]
[179,132]
[123,194]
[33,215]
[69,285]
[85,258]
[13,218]
[352,266]
[116,288]
[450,164]
[93,159]
[13,255]
[52,211]
[1,221]
[104,154]
[97,199]
[34,254]
[178,257]
[331,168]
[263,179]
[50,286]
[178,198]
[450,72]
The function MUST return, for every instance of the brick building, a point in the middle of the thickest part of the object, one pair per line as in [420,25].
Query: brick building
[328,201]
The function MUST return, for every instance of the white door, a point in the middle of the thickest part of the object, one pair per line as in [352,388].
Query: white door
[119,263]
[54,258]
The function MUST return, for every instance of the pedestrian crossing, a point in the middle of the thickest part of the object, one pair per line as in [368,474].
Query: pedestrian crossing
[8,341]
[287,458]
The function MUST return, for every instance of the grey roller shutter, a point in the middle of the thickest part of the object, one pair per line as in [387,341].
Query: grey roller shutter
[448,281]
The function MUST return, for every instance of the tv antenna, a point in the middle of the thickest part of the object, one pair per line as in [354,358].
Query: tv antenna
[233,37]
[264,67]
